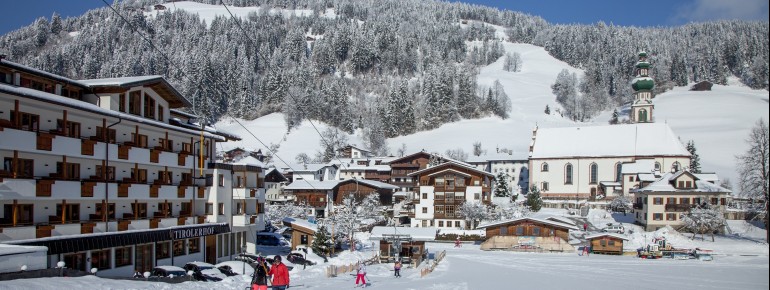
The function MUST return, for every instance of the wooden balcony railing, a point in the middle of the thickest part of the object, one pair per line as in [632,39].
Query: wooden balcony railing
[87,228]
[43,187]
[154,155]
[87,189]
[201,192]
[123,189]
[123,151]
[45,141]
[87,147]
[181,191]
[154,223]
[43,231]
[123,225]
[154,189]
[679,207]
[181,159]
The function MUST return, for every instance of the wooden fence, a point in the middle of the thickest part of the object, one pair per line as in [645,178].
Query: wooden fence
[431,267]
[334,270]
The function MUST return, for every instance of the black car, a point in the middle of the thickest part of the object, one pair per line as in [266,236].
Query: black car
[167,272]
[203,271]
[227,270]
[246,257]
[299,259]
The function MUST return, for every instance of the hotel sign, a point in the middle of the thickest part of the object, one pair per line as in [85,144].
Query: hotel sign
[177,234]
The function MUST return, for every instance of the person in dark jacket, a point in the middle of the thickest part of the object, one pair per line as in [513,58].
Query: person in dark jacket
[259,282]
[279,273]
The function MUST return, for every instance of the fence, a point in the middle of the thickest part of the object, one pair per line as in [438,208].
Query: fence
[334,270]
[429,269]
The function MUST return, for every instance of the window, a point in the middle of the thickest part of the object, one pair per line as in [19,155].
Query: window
[657,216]
[139,210]
[476,196]
[611,242]
[714,201]
[424,223]
[221,180]
[24,167]
[24,214]
[179,247]
[71,212]
[568,174]
[519,231]
[194,245]
[676,166]
[161,113]
[544,167]
[457,224]
[657,166]
[162,250]
[221,208]
[106,135]
[631,178]
[544,186]
[110,172]
[139,140]
[450,210]
[135,103]
[618,171]
[594,173]
[149,107]
[100,210]
[535,231]
[440,224]
[670,216]
[671,200]
[123,256]
[29,122]
[122,103]
[424,195]
[70,129]
[424,210]
[603,243]
[139,175]
[68,171]
[164,208]
[684,200]
[101,259]
[657,200]
[439,209]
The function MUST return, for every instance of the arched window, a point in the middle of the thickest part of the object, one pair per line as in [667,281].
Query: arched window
[594,173]
[568,174]
[544,186]
[676,166]
[642,115]
[544,167]
[618,171]
[657,166]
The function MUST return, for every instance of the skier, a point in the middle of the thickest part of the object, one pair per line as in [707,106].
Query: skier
[259,282]
[361,274]
[585,227]
[279,273]
[457,243]
[397,268]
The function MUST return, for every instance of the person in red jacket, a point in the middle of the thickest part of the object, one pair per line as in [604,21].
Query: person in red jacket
[280,274]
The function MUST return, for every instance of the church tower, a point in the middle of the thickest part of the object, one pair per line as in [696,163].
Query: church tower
[641,109]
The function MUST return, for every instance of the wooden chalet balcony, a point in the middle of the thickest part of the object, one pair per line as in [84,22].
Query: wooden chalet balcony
[448,202]
[679,207]
[43,187]
[201,192]
[123,151]
[154,222]
[123,189]
[87,228]
[253,192]
[154,189]
[87,189]
[154,156]
[181,191]
[201,219]
[87,147]
[45,141]
[43,231]
[123,225]
[180,221]
[181,159]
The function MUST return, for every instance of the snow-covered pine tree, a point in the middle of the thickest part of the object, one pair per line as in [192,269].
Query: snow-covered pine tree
[694,158]
[502,188]
[547,110]
[534,201]
[322,242]
[621,204]
[477,149]
[614,118]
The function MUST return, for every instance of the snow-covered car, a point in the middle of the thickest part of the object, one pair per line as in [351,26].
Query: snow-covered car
[204,271]
[299,259]
[167,272]
[271,239]
[616,228]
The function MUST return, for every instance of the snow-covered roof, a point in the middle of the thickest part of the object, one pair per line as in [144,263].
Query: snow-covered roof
[599,235]
[448,163]
[648,139]
[516,156]
[402,193]
[6,249]
[638,166]
[356,167]
[647,177]
[46,74]
[372,183]
[183,113]
[561,220]
[710,177]
[540,220]
[610,183]
[312,185]
[309,167]
[663,184]
[174,97]
[417,234]
[301,223]
[118,82]
[85,106]
[250,161]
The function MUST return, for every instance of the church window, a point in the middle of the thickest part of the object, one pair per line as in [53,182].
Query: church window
[544,167]
[618,171]
[676,166]
[568,174]
[594,173]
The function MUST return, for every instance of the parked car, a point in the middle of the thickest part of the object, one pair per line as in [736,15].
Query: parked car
[227,270]
[299,259]
[204,271]
[271,239]
[167,272]
[615,228]
[246,257]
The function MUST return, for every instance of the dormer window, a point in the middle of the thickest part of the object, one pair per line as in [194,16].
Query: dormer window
[135,103]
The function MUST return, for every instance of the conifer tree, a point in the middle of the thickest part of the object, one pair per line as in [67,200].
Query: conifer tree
[322,242]
[502,188]
[694,158]
[534,201]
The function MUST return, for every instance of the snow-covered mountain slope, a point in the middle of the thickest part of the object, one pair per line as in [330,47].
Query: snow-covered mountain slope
[718,121]
[208,12]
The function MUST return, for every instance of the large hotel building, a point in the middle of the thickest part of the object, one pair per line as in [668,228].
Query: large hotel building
[110,174]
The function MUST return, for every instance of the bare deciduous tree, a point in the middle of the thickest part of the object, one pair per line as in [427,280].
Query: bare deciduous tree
[754,171]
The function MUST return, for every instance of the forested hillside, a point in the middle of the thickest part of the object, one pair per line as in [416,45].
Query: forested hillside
[390,67]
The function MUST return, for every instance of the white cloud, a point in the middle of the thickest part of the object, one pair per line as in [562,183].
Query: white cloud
[706,10]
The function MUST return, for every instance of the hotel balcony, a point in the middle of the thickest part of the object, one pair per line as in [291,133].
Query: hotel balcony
[240,220]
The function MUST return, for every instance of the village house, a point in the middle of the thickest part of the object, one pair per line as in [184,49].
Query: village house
[514,165]
[672,195]
[528,234]
[606,243]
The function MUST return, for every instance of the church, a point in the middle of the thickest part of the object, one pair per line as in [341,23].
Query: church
[593,162]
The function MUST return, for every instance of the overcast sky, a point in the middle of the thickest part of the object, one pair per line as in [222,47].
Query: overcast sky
[19,13]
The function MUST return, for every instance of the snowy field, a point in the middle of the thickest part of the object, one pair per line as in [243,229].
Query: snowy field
[469,268]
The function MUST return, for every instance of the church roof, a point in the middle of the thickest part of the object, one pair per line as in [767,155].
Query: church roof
[648,139]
